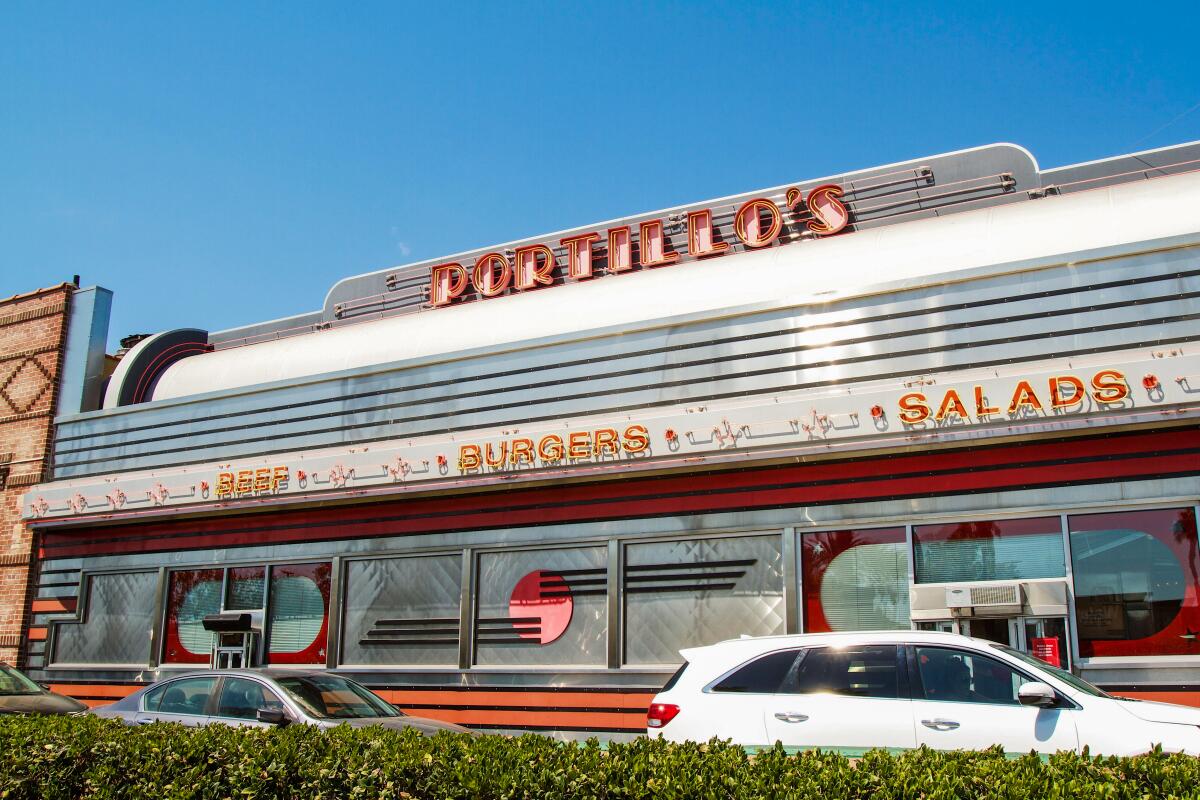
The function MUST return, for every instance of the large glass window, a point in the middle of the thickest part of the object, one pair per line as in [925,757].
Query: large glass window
[402,611]
[298,614]
[116,627]
[699,591]
[855,580]
[1137,582]
[997,550]
[191,596]
[538,607]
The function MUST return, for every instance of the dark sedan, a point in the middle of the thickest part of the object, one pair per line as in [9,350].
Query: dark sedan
[19,695]
[264,698]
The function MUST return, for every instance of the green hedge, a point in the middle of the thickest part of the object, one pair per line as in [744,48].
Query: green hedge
[62,757]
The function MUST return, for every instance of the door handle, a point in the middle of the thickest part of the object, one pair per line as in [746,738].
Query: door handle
[940,724]
[143,720]
[790,716]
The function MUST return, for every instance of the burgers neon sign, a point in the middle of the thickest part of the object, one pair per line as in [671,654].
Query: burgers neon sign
[757,223]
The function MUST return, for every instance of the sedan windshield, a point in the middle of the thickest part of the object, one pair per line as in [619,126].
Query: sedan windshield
[334,697]
[1064,676]
[13,682]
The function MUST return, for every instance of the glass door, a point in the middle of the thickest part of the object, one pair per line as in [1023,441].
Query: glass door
[1046,638]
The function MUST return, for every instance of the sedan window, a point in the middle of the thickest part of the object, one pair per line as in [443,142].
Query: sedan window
[764,675]
[13,682]
[859,671]
[184,696]
[242,698]
[959,676]
[334,697]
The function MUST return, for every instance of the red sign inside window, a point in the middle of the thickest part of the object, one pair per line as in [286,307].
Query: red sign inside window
[1046,648]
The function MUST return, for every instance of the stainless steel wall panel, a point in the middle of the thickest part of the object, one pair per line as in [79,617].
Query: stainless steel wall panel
[116,623]
[1057,312]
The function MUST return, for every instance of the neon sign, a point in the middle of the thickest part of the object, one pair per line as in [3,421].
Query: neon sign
[757,223]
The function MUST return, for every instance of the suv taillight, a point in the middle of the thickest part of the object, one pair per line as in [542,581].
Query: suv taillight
[660,714]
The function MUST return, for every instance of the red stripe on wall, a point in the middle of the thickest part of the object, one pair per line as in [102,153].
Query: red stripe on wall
[53,605]
[37,634]
[946,472]
[1184,698]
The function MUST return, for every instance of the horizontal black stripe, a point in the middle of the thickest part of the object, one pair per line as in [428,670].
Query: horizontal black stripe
[394,631]
[397,641]
[1138,687]
[419,621]
[881,475]
[746,562]
[684,576]
[693,587]
[572,728]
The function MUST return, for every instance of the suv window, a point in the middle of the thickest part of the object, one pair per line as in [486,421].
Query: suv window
[960,676]
[764,675]
[858,671]
[186,696]
[241,698]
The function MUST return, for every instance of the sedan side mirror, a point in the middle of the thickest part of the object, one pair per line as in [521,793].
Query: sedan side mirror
[1037,694]
[272,716]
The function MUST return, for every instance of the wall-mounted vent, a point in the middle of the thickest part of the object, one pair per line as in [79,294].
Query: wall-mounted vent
[983,596]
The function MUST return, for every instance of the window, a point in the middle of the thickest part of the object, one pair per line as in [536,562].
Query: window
[958,676]
[298,615]
[1009,549]
[116,625]
[402,611]
[542,607]
[855,580]
[695,592]
[245,589]
[241,698]
[184,696]
[1137,582]
[191,596]
[762,676]
[862,671]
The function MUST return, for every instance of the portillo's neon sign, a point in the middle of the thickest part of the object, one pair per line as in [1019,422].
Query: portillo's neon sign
[757,223]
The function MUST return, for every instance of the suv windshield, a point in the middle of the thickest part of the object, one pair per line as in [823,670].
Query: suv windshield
[13,682]
[334,697]
[1061,674]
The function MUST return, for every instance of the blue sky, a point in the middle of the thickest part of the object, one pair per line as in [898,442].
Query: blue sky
[225,163]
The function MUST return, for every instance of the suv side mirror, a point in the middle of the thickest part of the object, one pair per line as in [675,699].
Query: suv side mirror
[1037,694]
[272,716]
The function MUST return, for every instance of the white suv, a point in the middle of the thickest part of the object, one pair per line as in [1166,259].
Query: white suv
[856,691]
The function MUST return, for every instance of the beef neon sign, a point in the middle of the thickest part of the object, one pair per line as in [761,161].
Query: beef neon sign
[757,223]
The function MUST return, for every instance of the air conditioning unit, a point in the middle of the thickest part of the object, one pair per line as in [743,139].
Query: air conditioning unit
[988,598]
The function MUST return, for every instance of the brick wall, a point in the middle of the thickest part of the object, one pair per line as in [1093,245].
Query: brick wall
[32,340]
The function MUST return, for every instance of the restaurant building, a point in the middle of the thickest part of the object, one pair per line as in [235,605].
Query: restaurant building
[506,487]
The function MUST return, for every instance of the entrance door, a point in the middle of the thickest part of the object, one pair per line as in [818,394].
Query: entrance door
[1040,637]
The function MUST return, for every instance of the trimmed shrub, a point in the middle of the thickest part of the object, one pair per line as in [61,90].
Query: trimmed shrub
[87,757]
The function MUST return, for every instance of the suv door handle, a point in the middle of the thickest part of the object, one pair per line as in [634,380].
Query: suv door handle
[940,724]
[140,720]
[790,716]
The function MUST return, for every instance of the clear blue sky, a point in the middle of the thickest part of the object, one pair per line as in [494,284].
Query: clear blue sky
[216,164]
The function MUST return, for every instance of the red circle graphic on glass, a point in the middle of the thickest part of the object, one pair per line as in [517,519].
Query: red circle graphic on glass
[541,607]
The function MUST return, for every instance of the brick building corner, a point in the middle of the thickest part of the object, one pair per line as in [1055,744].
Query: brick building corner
[33,336]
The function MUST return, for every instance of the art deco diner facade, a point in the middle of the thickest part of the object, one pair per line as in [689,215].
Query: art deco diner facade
[506,487]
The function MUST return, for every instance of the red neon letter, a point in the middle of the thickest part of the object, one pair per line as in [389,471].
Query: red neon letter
[446,282]
[529,274]
[829,214]
[579,255]
[701,241]
[488,281]
[620,253]
[747,224]
[652,245]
